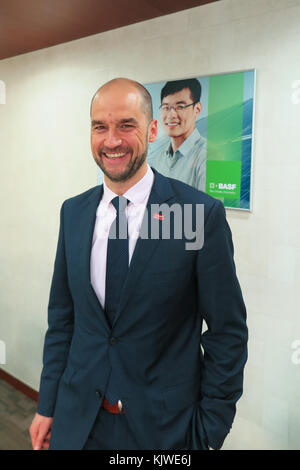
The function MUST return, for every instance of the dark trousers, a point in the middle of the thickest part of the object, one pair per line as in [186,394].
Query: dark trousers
[111,432]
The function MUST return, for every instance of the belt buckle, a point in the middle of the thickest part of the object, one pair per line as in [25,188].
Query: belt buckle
[120,406]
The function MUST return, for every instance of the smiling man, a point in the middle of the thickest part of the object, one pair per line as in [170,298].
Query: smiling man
[120,132]
[122,363]
[184,157]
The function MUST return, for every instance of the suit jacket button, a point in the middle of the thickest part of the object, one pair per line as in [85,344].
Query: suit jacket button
[98,393]
[113,340]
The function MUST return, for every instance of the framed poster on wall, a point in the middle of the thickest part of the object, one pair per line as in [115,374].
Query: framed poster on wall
[205,133]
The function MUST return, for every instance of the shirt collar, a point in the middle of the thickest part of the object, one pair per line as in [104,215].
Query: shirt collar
[187,145]
[137,194]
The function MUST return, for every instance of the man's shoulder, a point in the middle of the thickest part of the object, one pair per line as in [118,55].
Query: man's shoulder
[186,194]
[196,140]
[85,196]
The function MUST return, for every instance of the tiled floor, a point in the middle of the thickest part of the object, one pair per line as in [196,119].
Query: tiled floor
[16,413]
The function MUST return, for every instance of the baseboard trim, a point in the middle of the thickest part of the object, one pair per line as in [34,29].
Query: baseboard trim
[19,385]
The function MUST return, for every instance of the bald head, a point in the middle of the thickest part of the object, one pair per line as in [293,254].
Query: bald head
[127,84]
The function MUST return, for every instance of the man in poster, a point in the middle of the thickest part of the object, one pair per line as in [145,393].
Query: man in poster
[184,158]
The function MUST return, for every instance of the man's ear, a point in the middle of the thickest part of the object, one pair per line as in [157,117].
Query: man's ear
[198,108]
[152,130]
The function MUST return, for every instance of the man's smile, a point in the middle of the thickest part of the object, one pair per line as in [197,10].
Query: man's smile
[172,123]
[114,155]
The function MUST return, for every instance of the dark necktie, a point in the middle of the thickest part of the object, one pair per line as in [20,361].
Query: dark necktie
[117,258]
[116,272]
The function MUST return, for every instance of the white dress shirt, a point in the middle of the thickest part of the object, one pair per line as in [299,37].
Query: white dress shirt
[138,196]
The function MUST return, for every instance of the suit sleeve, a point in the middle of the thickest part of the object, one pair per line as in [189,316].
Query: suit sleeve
[225,341]
[60,329]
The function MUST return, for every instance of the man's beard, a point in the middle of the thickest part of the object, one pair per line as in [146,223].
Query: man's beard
[130,170]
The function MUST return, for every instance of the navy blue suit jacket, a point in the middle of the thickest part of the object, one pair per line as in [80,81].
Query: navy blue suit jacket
[176,394]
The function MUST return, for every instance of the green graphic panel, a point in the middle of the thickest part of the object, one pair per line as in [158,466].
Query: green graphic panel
[223,180]
[225,117]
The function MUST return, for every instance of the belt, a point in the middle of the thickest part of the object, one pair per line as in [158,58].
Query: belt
[116,408]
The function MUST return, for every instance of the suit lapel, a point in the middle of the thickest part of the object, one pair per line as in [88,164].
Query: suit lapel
[145,247]
[87,225]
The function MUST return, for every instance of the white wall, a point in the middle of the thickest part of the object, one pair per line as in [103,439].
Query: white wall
[45,158]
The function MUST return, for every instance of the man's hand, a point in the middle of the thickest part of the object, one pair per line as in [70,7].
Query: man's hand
[40,432]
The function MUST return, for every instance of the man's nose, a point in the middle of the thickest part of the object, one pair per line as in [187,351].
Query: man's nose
[112,139]
[172,111]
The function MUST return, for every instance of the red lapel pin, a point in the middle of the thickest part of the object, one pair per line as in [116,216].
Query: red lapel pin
[158,216]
